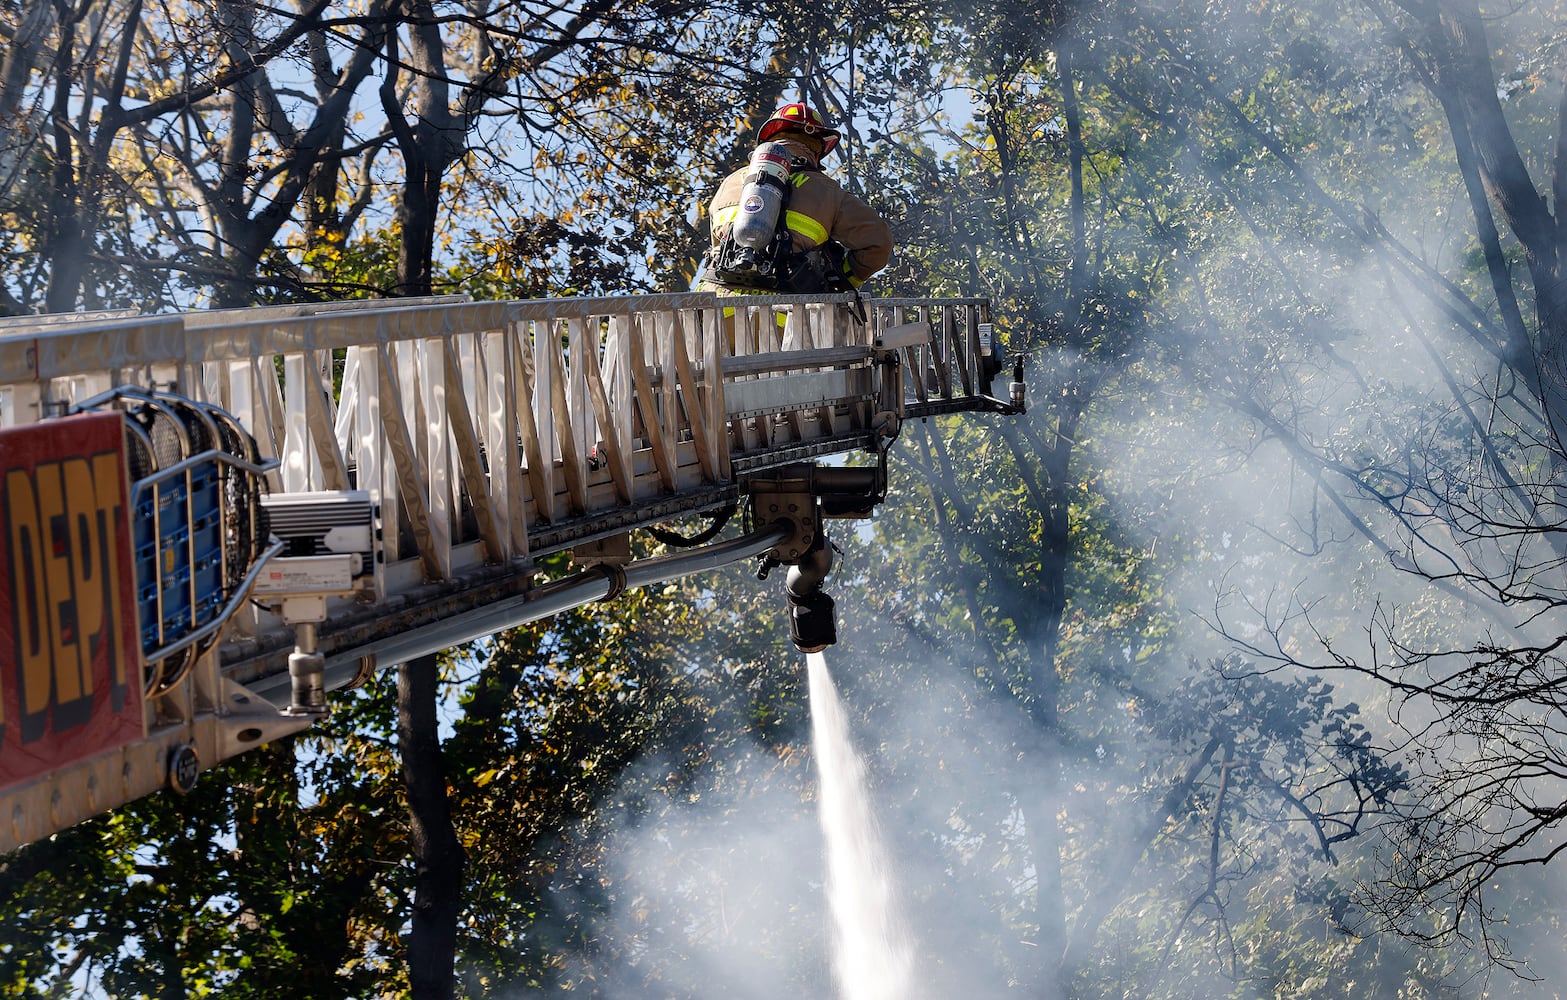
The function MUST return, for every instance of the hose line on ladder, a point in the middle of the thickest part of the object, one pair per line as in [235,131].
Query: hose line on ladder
[675,540]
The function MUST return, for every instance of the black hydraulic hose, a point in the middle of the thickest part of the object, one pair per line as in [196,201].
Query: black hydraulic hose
[676,540]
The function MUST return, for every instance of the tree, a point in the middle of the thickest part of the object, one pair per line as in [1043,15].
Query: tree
[1091,779]
[1297,231]
[272,879]
[1460,485]
[264,157]
[579,101]
[104,81]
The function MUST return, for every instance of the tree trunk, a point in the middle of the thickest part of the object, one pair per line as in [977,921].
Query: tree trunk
[1044,835]
[1465,83]
[64,236]
[1043,767]
[417,214]
[1055,558]
[81,157]
[438,856]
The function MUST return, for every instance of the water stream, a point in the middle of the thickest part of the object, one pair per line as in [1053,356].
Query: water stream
[873,954]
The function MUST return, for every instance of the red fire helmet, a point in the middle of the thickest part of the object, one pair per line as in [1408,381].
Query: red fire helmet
[798,117]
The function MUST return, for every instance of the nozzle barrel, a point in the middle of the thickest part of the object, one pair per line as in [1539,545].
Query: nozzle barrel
[813,620]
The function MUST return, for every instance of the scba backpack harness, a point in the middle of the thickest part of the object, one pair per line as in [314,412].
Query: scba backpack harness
[758,250]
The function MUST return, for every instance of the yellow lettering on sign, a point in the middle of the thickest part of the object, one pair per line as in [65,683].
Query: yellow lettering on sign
[65,572]
[84,538]
[106,508]
[34,685]
[57,574]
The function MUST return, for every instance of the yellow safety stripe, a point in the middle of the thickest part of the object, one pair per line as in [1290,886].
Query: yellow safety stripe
[781,318]
[806,226]
[796,221]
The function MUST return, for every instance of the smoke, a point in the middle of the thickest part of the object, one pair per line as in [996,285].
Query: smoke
[1286,361]
[1304,425]
[716,893]
[718,886]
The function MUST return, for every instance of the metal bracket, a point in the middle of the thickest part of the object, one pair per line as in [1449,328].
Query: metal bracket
[612,550]
[246,720]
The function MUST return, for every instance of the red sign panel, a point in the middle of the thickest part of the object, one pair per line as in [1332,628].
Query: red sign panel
[70,659]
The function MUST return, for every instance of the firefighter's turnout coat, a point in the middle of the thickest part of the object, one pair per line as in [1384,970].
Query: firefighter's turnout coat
[819,210]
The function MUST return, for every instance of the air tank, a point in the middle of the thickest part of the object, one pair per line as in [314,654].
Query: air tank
[762,198]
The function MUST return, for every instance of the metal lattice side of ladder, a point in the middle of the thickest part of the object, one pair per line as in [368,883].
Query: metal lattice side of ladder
[489,429]
[489,433]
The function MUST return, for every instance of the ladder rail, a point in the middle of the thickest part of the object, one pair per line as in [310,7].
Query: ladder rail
[582,384]
[624,404]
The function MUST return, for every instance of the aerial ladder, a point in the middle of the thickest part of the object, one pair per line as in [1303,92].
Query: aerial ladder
[211,520]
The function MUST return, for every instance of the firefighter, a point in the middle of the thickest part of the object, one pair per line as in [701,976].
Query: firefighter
[834,240]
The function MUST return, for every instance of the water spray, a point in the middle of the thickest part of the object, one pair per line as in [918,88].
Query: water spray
[873,950]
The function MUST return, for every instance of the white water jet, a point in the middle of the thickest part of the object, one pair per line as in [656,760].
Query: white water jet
[873,955]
